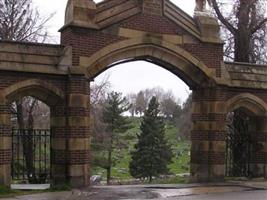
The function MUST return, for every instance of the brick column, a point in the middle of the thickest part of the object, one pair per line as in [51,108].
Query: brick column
[71,136]
[208,136]
[58,144]
[263,129]
[258,158]
[5,144]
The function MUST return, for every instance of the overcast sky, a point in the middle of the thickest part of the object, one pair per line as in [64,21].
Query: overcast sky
[130,77]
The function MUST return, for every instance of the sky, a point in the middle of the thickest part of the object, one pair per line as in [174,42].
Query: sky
[130,77]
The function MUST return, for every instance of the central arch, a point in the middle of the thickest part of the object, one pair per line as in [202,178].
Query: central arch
[160,52]
[208,164]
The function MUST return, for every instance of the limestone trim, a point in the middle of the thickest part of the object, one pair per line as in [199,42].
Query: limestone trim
[243,75]
[160,52]
[43,91]
[34,57]
[249,101]
[113,11]
[132,33]
[88,14]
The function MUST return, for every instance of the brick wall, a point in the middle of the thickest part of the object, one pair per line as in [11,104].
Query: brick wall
[211,158]
[74,157]
[152,23]
[86,42]
[5,156]
[71,132]
[210,54]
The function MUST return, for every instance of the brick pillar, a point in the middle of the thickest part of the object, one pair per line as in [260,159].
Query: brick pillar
[208,136]
[263,129]
[58,144]
[5,144]
[71,136]
[258,157]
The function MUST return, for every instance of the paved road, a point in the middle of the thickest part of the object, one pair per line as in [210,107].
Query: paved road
[248,195]
[233,191]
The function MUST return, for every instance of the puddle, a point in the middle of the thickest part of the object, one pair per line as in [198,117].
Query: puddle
[165,193]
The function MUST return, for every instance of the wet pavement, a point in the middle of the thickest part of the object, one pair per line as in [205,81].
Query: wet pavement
[230,190]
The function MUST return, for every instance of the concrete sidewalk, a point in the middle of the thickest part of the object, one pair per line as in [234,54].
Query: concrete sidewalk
[43,196]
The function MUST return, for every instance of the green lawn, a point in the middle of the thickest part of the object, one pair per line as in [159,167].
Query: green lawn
[180,149]
[6,192]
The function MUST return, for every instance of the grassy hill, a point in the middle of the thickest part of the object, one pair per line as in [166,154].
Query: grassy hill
[180,149]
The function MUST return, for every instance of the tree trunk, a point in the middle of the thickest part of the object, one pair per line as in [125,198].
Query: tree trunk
[20,119]
[242,49]
[28,151]
[109,166]
[243,35]
[108,175]
[109,160]
[27,140]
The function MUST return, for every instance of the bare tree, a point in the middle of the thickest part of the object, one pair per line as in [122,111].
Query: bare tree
[19,21]
[99,90]
[182,118]
[98,94]
[132,100]
[168,107]
[140,103]
[245,26]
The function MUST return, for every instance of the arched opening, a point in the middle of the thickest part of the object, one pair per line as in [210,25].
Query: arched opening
[30,104]
[245,145]
[129,80]
[195,74]
[31,141]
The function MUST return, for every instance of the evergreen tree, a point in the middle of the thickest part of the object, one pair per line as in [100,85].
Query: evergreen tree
[152,154]
[116,124]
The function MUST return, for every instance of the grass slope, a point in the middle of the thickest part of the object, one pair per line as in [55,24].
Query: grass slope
[180,149]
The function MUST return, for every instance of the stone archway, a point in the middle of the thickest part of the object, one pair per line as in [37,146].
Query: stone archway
[45,92]
[158,32]
[49,94]
[97,36]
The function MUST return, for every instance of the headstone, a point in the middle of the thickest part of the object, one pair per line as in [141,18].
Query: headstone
[95,179]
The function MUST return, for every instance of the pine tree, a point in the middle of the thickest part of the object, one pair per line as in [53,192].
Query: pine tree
[116,124]
[152,154]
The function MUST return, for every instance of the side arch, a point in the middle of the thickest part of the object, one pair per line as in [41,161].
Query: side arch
[41,90]
[249,101]
[169,56]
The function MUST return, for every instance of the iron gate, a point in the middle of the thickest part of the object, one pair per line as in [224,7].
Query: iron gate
[31,156]
[238,146]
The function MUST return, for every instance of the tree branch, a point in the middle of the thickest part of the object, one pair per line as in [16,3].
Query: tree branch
[229,26]
[258,26]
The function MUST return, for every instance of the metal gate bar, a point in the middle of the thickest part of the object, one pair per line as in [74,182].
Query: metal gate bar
[238,146]
[31,155]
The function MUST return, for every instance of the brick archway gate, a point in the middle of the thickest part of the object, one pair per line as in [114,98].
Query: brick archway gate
[96,37]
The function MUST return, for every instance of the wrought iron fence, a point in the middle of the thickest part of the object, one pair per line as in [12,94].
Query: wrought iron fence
[31,156]
[238,146]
